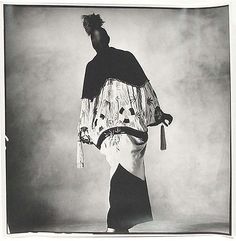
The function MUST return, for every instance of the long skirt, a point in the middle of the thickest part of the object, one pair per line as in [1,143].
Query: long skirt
[128,198]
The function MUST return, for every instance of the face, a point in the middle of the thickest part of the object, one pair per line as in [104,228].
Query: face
[97,39]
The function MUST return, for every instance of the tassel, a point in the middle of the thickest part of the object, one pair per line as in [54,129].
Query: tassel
[80,155]
[163,138]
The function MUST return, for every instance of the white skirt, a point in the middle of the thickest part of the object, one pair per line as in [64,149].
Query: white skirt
[127,150]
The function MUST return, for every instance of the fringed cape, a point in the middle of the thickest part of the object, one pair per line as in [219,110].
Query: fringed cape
[115,84]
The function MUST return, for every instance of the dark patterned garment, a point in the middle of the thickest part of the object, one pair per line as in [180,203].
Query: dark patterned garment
[117,97]
[118,105]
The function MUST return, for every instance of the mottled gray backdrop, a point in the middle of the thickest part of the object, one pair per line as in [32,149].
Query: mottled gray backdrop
[184,53]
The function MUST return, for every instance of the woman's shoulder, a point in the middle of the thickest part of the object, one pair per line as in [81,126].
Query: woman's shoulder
[123,52]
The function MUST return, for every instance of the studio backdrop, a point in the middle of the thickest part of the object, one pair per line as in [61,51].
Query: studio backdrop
[184,53]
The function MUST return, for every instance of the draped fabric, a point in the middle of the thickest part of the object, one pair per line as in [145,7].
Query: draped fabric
[117,98]
[118,108]
[129,200]
[118,104]
[128,197]
[111,63]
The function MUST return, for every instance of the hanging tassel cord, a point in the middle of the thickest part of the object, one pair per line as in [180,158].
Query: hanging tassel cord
[163,138]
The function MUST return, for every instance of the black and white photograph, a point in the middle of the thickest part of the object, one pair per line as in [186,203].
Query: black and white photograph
[117,119]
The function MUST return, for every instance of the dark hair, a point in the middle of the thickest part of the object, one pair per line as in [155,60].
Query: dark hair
[92,22]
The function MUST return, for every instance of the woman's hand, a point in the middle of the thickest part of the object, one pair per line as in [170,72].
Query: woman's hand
[162,117]
[166,117]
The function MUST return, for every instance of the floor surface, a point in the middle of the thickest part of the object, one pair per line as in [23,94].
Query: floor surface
[160,226]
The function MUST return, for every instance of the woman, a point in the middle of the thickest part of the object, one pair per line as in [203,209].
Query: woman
[118,105]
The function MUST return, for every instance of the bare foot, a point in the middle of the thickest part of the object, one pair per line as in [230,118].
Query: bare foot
[112,230]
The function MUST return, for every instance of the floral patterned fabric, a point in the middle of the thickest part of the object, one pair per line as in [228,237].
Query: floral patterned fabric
[119,107]
[127,150]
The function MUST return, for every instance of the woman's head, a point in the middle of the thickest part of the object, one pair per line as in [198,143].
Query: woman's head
[93,26]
